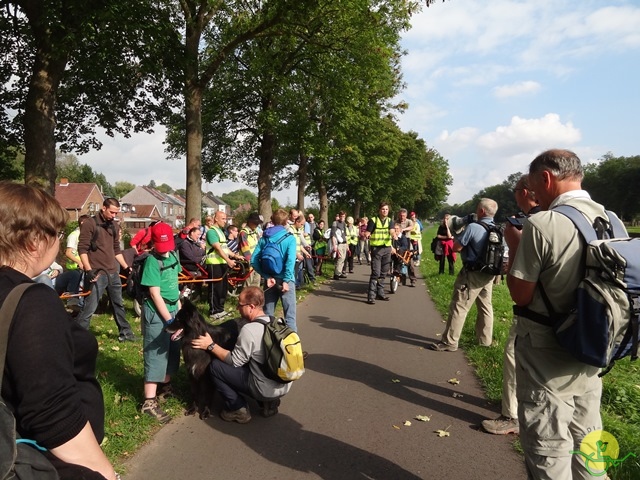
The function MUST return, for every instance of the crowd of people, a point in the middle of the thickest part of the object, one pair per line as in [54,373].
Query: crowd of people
[550,398]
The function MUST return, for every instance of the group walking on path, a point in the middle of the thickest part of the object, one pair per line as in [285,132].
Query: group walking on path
[370,405]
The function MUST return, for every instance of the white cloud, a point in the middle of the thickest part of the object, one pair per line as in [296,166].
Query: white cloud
[516,89]
[523,134]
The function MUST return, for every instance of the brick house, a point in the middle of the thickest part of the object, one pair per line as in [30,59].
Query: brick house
[79,198]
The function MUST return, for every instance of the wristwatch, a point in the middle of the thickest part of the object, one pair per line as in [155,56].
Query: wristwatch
[210,347]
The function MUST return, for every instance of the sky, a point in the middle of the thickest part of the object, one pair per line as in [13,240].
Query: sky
[489,85]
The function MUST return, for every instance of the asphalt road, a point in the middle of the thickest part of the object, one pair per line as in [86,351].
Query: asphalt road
[368,372]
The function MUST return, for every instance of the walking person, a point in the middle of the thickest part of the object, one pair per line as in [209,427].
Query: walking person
[380,231]
[363,242]
[99,249]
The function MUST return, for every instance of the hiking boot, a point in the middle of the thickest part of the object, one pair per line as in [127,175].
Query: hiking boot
[501,425]
[342,275]
[151,408]
[336,277]
[165,392]
[413,283]
[269,409]
[383,298]
[371,301]
[241,415]
[443,347]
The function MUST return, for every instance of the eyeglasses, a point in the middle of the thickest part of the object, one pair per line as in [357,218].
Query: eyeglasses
[244,305]
[60,235]
[518,190]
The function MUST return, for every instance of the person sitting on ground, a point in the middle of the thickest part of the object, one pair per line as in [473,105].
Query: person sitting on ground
[49,378]
[191,251]
[238,373]
[62,282]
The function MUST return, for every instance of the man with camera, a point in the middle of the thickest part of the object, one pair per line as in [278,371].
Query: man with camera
[471,285]
[508,421]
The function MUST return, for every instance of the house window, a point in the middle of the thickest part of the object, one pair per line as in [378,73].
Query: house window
[164,209]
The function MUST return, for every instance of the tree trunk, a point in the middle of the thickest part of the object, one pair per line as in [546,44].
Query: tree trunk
[193,116]
[324,201]
[303,174]
[356,209]
[265,174]
[39,113]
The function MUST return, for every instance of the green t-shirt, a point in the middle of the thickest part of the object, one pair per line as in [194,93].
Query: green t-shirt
[167,279]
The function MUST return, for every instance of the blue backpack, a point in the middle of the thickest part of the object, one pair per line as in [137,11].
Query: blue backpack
[603,326]
[271,256]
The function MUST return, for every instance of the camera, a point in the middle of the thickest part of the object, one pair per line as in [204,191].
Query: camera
[457,224]
[517,220]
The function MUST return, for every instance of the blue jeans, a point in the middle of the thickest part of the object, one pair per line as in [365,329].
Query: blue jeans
[111,283]
[231,381]
[271,296]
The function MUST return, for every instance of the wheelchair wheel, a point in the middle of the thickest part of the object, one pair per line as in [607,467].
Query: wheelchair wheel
[393,284]
[235,289]
[137,308]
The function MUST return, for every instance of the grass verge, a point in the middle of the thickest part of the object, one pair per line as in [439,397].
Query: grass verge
[621,387]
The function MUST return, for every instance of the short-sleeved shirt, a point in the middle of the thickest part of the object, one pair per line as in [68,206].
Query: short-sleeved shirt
[551,252]
[167,279]
[473,239]
[72,243]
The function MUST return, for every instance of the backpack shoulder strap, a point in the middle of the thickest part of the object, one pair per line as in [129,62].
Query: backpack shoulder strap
[7,312]
[617,227]
[587,231]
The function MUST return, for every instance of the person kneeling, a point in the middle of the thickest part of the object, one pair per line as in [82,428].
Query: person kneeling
[238,373]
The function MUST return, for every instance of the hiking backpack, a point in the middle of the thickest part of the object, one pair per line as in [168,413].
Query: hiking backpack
[271,258]
[134,289]
[491,256]
[603,326]
[284,362]
[19,458]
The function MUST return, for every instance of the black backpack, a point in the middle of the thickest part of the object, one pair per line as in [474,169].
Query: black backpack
[491,256]
[134,289]
[19,459]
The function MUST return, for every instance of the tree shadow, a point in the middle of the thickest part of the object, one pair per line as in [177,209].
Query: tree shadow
[284,441]
[384,333]
[406,388]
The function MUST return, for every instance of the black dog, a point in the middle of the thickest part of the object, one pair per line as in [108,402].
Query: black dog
[187,326]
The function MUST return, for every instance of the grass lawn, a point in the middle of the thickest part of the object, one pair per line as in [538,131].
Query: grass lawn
[621,387]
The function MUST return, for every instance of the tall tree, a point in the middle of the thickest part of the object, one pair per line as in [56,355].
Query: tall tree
[53,86]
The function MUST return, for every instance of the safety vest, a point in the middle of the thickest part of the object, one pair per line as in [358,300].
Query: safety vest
[415,234]
[296,233]
[213,257]
[381,237]
[321,242]
[71,265]
[352,235]
[252,240]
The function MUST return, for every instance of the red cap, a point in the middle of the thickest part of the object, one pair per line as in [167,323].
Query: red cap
[162,236]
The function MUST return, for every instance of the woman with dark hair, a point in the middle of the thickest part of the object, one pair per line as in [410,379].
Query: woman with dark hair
[445,238]
[49,377]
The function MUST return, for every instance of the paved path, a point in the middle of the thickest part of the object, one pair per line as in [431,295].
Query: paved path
[369,370]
